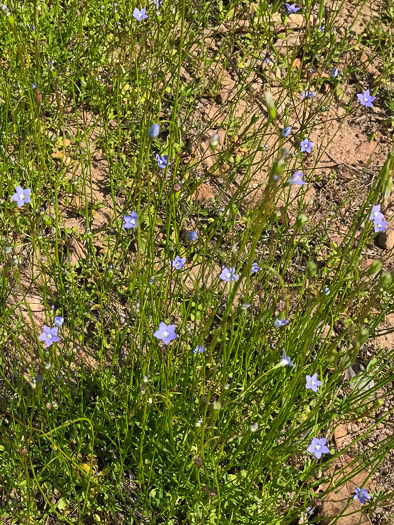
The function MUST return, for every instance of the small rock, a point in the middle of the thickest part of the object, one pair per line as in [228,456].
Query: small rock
[295,21]
[203,194]
[286,45]
[386,239]
[366,149]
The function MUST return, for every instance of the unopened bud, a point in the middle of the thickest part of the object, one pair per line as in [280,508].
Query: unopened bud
[385,280]
[269,102]
[311,269]
[214,142]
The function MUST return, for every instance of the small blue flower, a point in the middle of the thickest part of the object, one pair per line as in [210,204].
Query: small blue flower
[21,196]
[321,29]
[296,179]
[362,495]
[162,161]
[308,94]
[312,383]
[318,447]
[255,268]
[199,349]
[34,86]
[291,8]
[228,274]
[376,214]
[130,221]
[335,72]
[280,322]
[139,14]
[154,131]
[178,263]
[380,226]
[306,146]
[366,99]
[166,333]
[286,361]
[192,236]
[326,291]
[286,132]
[49,336]
[59,320]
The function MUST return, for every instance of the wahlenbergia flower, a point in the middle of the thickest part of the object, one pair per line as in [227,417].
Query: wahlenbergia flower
[312,383]
[296,179]
[286,131]
[335,72]
[199,349]
[286,361]
[178,263]
[376,214]
[192,236]
[306,146]
[139,14]
[165,333]
[21,196]
[255,268]
[59,320]
[291,8]
[228,274]
[321,29]
[154,131]
[362,495]
[308,94]
[130,221]
[49,335]
[162,161]
[366,98]
[280,322]
[380,226]
[318,447]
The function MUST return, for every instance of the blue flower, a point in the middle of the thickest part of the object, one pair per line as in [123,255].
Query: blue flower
[178,262]
[154,131]
[255,268]
[296,179]
[306,146]
[321,29]
[326,291]
[335,72]
[49,335]
[58,321]
[199,349]
[280,322]
[380,226]
[192,236]
[308,94]
[139,14]
[34,86]
[130,221]
[21,196]
[318,447]
[362,495]
[165,333]
[366,99]
[228,274]
[162,161]
[291,8]
[286,132]
[376,214]
[312,383]
[286,361]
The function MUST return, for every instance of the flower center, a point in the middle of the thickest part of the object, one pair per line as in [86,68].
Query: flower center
[132,221]
[228,275]
[313,382]
[165,333]
[49,336]
[317,447]
[22,196]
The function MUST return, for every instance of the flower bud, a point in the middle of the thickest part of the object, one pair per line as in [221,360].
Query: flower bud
[214,142]
[375,267]
[311,269]
[269,102]
[385,280]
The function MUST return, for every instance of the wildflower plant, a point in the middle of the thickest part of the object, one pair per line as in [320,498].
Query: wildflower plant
[133,386]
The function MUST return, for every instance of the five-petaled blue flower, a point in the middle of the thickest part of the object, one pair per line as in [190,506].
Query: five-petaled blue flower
[380,226]
[199,349]
[162,161]
[286,361]
[286,131]
[34,86]
[59,320]
[306,146]
[318,447]
[21,196]
[192,236]
[154,131]
[296,178]
[165,333]
[308,94]
[255,268]
[335,72]
[49,335]
[321,29]
[376,214]
[178,262]
[130,221]
[366,99]
[228,274]
[312,383]
[362,495]
[139,14]
[157,3]
[291,8]
[280,322]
